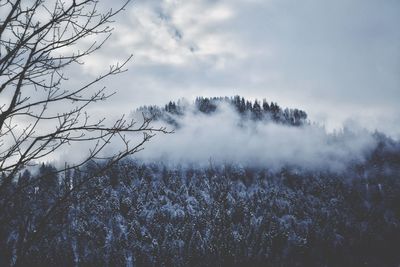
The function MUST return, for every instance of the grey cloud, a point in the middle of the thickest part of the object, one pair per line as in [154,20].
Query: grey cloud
[224,138]
[335,59]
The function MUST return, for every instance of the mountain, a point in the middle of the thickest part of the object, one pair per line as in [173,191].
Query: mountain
[143,213]
[151,214]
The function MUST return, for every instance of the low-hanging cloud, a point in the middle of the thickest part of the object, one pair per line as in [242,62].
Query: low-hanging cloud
[224,137]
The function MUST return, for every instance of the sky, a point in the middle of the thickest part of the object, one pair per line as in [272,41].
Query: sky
[337,60]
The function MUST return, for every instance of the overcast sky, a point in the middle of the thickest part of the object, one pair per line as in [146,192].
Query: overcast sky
[337,60]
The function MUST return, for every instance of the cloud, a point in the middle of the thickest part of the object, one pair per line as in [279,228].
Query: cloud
[224,138]
[337,59]
[174,33]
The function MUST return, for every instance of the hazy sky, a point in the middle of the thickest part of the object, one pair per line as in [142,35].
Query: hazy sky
[337,60]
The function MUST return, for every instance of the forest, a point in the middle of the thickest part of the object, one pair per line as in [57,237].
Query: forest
[250,110]
[142,213]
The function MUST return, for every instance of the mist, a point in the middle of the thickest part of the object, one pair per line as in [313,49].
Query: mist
[224,137]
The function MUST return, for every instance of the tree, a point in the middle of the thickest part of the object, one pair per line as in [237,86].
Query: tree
[40,111]
[257,111]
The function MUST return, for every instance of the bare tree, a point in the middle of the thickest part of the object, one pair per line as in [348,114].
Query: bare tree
[39,112]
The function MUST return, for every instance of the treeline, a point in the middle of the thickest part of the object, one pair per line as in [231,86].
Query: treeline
[247,109]
[139,214]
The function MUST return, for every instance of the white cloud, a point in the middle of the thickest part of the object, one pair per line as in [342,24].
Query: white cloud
[223,138]
[175,33]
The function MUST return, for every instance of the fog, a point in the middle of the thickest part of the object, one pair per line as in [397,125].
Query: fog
[224,137]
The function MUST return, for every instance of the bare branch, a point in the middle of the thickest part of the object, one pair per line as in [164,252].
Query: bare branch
[41,114]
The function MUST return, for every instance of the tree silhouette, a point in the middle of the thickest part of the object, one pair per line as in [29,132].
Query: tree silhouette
[40,111]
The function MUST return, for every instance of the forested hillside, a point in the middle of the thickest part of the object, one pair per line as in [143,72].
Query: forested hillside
[142,213]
